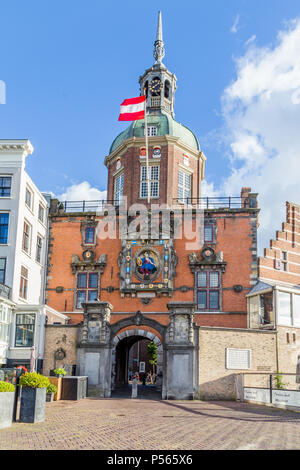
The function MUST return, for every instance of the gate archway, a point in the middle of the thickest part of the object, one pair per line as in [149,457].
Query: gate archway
[122,342]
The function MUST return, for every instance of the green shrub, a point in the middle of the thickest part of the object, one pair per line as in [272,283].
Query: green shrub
[59,372]
[6,387]
[34,380]
[52,388]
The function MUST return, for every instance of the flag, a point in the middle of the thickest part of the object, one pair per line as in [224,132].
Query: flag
[133,109]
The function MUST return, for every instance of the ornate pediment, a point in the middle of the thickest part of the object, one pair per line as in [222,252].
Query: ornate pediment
[89,262]
[207,258]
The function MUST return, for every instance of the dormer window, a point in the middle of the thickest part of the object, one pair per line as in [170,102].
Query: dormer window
[152,131]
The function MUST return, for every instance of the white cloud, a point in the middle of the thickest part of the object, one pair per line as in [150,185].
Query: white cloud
[250,40]
[82,192]
[261,110]
[234,27]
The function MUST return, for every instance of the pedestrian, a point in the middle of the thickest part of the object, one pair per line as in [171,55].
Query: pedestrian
[134,387]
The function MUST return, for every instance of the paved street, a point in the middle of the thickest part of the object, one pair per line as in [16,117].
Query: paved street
[119,423]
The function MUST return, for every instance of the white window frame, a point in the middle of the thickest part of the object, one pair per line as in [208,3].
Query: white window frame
[41,206]
[152,131]
[118,191]
[8,226]
[5,322]
[22,291]
[29,191]
[29,238]
[10,177]
[184,191]
[41,246]
[154,182]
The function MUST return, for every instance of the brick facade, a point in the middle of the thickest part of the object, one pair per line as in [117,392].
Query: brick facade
[234,238]
[272,266]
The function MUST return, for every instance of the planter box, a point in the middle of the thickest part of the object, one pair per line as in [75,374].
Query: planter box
[7,400]
[33,404]
[58,382]
[74,388]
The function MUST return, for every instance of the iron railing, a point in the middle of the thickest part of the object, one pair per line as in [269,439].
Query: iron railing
[5,291]
[214,202]
[200,203]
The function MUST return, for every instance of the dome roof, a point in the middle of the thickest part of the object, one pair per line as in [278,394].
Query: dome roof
[166,126]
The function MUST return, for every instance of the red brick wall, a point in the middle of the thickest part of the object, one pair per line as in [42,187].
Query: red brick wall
[233,238]
[287,240]
[171,157]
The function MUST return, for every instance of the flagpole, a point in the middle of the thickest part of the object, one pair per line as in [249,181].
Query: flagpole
[147,159]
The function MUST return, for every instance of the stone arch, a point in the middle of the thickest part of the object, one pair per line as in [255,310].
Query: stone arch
[138,320]
[127,329]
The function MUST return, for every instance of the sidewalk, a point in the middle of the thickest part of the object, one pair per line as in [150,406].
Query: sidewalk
[115,424]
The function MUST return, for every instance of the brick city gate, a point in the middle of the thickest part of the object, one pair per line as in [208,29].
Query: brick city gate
[96,353]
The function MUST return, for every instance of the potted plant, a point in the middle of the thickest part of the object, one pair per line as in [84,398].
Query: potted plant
[33,397]
[7,398]
[51,391]
[59,372]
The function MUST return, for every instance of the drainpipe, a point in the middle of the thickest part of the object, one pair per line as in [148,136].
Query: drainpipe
[275,303]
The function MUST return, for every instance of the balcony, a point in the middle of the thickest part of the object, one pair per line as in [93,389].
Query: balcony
[217,203]
[5,291]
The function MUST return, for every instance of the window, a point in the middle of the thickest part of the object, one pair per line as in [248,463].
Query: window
[118,190]
[89,235]
[24,330]
[208,233]
[23,283]
[296,309]
[39,247]
[5,319]
[2,270]
[283,261]
[266,311]
[29,198]
[284,308]
[4,218]
[41,214]
[26,237]
[208,290]
[152,130]
[87,288]
[154,181]
[184,186]
[5,186]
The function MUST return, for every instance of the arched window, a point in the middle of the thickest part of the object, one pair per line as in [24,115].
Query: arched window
[146,88]
[167,89]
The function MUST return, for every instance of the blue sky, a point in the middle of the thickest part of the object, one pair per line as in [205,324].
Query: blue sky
[68,65]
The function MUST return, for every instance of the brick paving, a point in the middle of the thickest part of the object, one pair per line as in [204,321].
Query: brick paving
[151,424]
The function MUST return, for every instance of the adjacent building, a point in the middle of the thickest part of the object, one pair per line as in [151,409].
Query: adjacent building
[23,255]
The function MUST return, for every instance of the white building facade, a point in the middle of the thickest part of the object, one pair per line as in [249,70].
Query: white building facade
[23,259]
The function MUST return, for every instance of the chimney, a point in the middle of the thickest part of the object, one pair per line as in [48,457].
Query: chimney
[245,196]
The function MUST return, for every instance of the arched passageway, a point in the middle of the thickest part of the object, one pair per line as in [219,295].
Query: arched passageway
[124,363]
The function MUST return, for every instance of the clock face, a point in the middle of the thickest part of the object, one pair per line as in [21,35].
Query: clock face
[155,85]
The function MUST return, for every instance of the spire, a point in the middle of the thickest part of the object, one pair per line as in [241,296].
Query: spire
[159,50]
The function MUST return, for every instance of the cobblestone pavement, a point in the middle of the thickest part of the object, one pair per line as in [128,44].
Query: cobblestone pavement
[135,424]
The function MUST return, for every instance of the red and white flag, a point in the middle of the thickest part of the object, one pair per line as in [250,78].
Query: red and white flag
[133,109]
